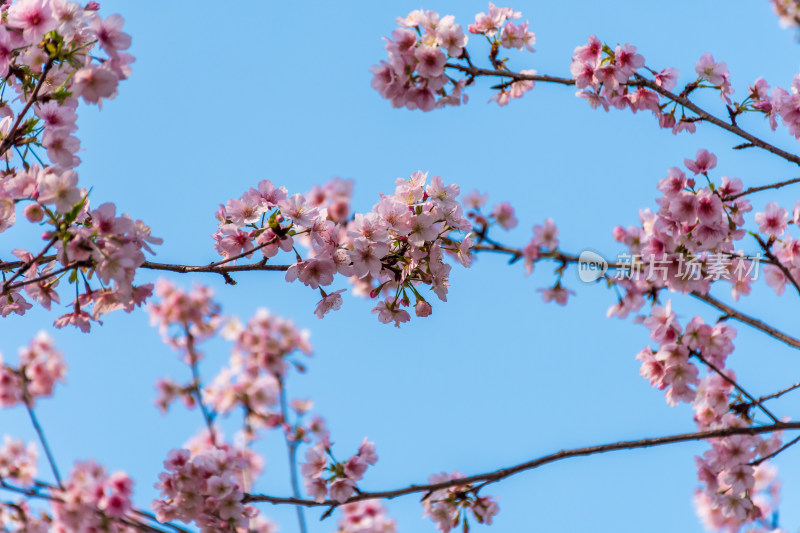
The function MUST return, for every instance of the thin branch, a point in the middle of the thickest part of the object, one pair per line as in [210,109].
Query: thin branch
[730,312]
[708,117]
[776,452]
[31,493]
[291,448]
[474,71]
[768,252]
[780,393]
[12,132]
[751,190]
[193,358]
[152,517]
[639,81]
[738,387]
[49,275]
[28,401]
[503,473]
[28,264]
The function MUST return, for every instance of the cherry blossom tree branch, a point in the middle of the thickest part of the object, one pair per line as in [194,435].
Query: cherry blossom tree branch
[9,139]
[751,190]
[152,517]
[49,275]
[193,359]
[738,387]
[28,401]
[223,270]
[27,265]
[776,452]
[767,247]
[708,117]
[640,81]
[730,312]
[475,72]
[32,493]
[779,393]
[497,475]
[291,448]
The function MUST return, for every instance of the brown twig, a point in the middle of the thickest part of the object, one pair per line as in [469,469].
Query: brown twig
[738,387]
[730,312]
[9,139]
[751,190]
[768,252]
[776,452]
[708,117]
[503,473]
[28,264]
[474,72]
[641,81]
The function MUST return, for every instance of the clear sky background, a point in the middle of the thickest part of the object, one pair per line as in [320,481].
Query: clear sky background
[225,94]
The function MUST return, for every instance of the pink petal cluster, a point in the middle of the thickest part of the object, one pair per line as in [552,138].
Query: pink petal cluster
[689,242]
[192,312]
[445,506]
[490,23]
[788,12]
[57,45]
[716,74]
[778,103]
[365,516]
[203,488]
[324,477]
[418,53]
[729,496]
[259,361]
[18,462]
[390,251]
[112,248]
[413,76]
[40,367]
[90,497]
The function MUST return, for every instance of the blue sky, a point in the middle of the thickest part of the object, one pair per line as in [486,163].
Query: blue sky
[224,95]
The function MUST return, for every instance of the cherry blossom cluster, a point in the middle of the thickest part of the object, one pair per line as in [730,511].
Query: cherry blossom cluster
[543,243]
[324,476]
[95,242]
[18,462]
[205,488]
[55,44]
[40,367]
[365,516]
[730,495]
[776,102]
[387,252]
[670,367]
[448,507]
[180,313]
[93,500]
[788,12]
[763,486]
[260,358]
[701,221]
[50,56]
[18,517]
[414,75]
[773,224]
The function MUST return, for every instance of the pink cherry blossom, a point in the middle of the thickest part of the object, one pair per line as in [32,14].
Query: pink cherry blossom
[773,221]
